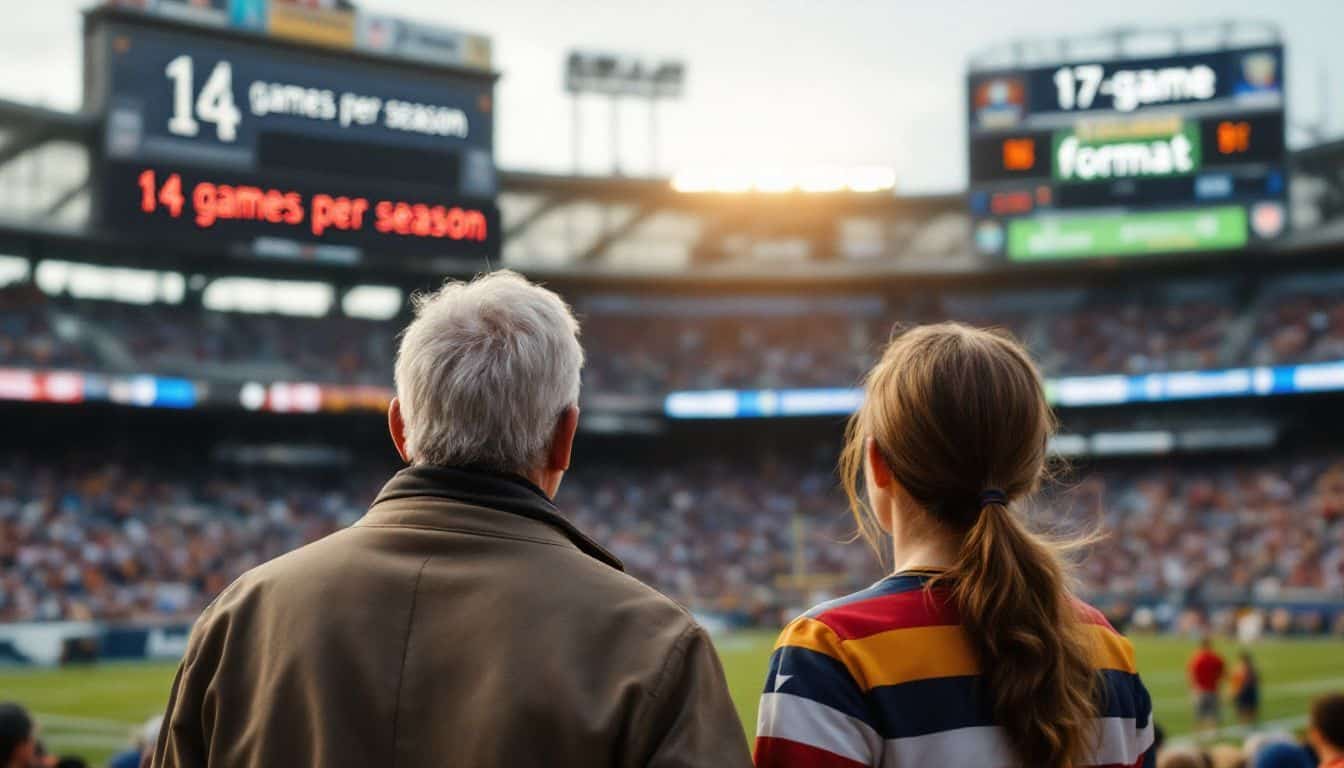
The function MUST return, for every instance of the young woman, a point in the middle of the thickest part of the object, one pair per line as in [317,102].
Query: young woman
[972,652]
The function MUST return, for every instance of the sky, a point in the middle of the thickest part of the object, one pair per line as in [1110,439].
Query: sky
[771,84]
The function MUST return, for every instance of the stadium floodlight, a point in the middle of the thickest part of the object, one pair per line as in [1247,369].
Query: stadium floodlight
[623,75]
[13,269]
[255,295]
[94,281]
[373,302]
[617,76]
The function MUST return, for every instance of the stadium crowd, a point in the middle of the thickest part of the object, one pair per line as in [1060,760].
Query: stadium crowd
[143,540]
[119,540]
[649,345]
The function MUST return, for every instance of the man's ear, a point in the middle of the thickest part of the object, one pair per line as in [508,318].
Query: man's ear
[562,440]
[396,426]
[877,466]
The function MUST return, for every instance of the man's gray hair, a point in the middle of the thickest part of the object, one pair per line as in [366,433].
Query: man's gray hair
[485,370]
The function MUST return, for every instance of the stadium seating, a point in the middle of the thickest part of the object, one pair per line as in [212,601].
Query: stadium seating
[641,345]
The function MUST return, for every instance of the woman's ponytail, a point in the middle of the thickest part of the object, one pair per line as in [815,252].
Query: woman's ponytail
[1009,587]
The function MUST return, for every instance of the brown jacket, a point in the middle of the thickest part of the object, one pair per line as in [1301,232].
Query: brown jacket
[461,622]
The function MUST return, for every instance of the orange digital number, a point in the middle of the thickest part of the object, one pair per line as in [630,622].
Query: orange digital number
[1234,137]
[1019,154]
[146,182]
[171,195]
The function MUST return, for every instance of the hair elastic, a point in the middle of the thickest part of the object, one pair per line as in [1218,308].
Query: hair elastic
[993,496]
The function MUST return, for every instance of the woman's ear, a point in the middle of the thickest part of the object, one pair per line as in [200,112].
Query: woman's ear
[881,483]
[878,471]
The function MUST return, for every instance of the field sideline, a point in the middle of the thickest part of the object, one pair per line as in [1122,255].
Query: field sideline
[90,711]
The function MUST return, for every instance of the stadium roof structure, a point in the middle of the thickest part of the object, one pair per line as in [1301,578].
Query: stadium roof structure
[565,225]
[44,165]
[1126,42]
[634,225]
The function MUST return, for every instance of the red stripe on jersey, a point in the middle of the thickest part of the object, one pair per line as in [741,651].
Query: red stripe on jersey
[773,752]
[1136,764]
[906,610]
[1090,615]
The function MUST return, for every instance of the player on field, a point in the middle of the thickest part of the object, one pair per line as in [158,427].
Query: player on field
[1205,670]
[1246,690]
[972,652]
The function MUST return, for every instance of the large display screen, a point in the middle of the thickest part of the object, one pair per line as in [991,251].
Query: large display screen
[213,138]
[1128,157]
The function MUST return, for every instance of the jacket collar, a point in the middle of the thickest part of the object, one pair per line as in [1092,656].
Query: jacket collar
[492,490]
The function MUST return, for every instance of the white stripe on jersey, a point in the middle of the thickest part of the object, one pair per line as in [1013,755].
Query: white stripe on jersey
[1122,743]
[800,719]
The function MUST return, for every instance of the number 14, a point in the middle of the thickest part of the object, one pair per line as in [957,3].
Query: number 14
[214,104]
[169,195]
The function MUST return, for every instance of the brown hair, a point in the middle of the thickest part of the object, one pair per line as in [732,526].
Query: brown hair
[957,411]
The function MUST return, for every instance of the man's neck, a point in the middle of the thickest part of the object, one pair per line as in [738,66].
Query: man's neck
[548,482]
[1331,757]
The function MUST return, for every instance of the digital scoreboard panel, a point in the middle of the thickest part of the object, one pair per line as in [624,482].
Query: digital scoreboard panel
[1179,154]
[232,140]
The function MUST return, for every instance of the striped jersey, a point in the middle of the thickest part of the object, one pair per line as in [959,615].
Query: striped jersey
[886,677]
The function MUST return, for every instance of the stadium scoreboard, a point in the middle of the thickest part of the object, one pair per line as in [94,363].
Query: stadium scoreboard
[222,138]
[1089,158]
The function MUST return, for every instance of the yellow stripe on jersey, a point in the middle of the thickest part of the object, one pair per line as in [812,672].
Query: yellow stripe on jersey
[920,653]
[813,635]
[1112,651]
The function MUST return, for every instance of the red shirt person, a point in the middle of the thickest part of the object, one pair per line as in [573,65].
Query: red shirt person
[1206,673]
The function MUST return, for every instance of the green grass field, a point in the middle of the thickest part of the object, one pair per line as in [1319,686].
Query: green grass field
[90,711]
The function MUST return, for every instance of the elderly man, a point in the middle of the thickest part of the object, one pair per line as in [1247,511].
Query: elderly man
[463,621]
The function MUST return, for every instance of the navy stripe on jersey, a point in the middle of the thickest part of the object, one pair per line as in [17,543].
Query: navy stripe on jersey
[925,706]
[945,703]
[818,677]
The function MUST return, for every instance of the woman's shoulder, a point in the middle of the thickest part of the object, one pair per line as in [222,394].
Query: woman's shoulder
[902,601]
[1112,650]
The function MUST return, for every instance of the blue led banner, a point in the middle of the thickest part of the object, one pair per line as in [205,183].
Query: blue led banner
[1067,391]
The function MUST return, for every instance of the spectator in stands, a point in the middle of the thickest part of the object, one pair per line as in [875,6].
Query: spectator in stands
[973,652]
[1184,758]
[1260,741]
[1281,755]
[1226,756]
[1205,671]
[144,738]
[16,736]
[463,620]
[1325,730]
